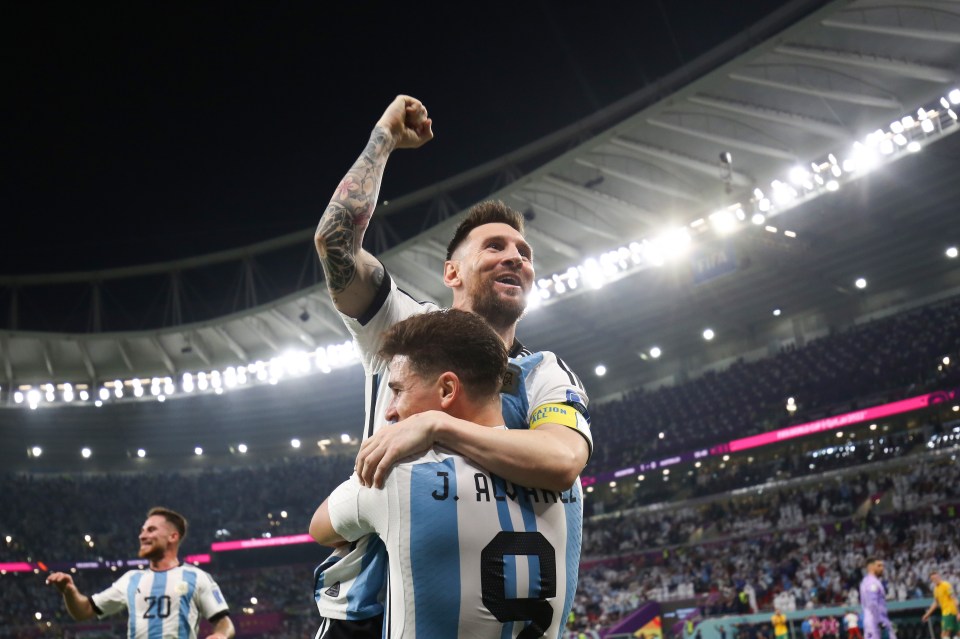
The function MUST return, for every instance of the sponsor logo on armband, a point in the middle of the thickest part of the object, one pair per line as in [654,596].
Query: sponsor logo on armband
[554,414]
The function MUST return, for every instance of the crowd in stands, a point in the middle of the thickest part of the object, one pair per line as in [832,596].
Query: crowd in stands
[234,503]
[879,361]
[802,547]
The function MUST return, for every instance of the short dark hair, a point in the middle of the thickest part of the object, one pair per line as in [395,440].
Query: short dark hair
[179,521]
[488,212]
[871,560]
[451,340]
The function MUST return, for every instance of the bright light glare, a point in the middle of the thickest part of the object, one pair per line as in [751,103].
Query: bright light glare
[952,252]
[198,451]
[600,370]
[141,453]
[655,352]
[914,147]
[295,443]
[85,453]
[723,222]
[861,283]
[954,96]
[36,451]
[242,448]
[708,334]
[344,438]
[776,312]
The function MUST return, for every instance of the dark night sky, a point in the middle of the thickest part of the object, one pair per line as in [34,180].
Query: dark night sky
[146,131]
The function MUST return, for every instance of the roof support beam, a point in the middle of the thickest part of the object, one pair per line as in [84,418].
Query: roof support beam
[263,332]
[659,187]
[950,37]
[200,347]
[627,212]
[587,229]
[888,65]
[826,129]
[231,343]
[7,364]
[759,149]
[681,160]
[87,361]
[841,96]
[47,359]
[299,331]
[125,354]
[539,238]
[164,356]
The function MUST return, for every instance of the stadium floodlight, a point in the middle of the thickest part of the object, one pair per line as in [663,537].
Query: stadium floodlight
[708,334]
[85,453]
[873,427]
[141,453]
[600,370]
[655,352]
[758,219]
[954,96]
[661,435]
[723,222]
[927,126]
[666,471]
[344,438]
[861,283]
[242,448]
[33,398]
[946,360]
[914,147]
[295,443]
[36,451]
[776,312]
[254,601]
[283,514]
[952,252]
[198,451]
[18,397]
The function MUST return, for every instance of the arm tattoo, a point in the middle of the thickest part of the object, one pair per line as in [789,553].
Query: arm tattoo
[339,236]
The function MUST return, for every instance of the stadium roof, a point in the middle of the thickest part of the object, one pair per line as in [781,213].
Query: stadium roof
[807,82]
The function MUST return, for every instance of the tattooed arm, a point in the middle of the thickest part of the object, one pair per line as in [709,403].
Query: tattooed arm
[353,275]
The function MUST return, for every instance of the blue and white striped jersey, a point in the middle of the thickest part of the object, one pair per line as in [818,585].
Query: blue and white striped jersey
[162,604]
[470,555]
[541,387]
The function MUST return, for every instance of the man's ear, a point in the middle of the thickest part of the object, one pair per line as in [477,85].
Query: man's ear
[451,274]
[449,389]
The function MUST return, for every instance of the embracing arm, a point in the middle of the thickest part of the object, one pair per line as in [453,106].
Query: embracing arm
[549,457]
[353,275]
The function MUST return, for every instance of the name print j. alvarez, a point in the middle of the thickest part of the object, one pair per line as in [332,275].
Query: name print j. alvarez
[488,486]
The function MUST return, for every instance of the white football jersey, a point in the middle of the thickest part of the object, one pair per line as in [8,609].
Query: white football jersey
[162,604]
[470,555]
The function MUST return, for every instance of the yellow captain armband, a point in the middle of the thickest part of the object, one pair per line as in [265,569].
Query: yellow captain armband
[554,414]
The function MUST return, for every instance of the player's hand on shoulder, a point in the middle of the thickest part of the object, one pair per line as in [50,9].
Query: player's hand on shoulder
[60,580]
[406,120]
[393,442]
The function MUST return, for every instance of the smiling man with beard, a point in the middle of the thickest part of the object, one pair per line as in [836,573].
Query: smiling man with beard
[489,269]
[166,600]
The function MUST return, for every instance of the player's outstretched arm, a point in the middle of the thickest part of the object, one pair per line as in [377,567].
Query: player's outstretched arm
[78,605]
[353,275]
[223,629]
[549,457]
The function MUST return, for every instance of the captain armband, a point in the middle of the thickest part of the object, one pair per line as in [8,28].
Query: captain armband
[563,414]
